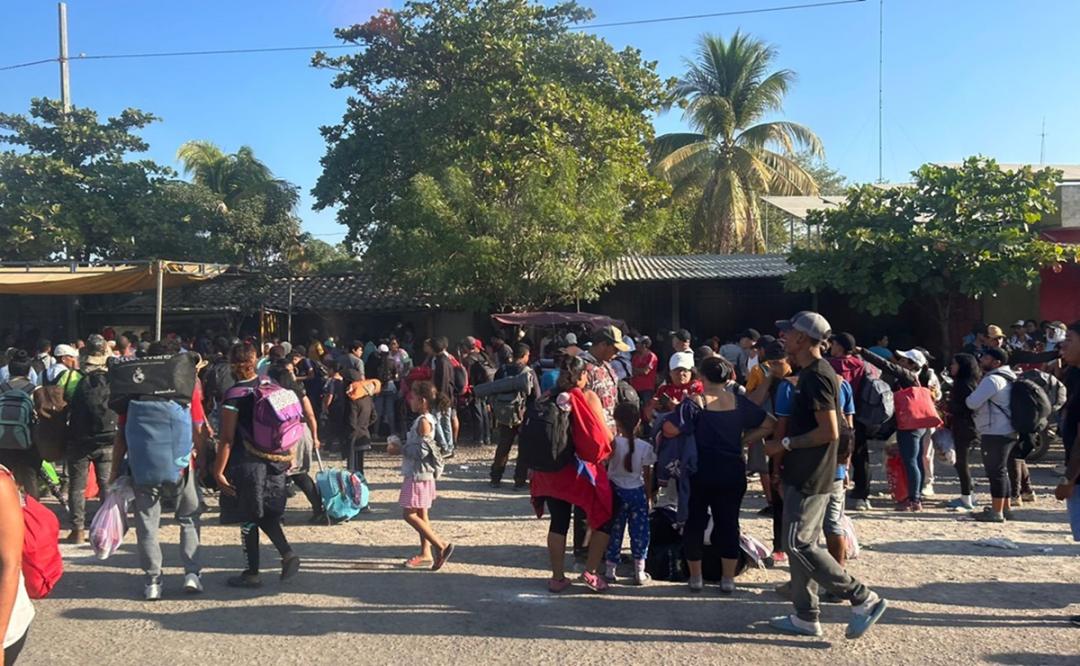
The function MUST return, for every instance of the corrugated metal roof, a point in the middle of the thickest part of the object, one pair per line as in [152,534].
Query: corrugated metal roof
[700,267]
[798,207]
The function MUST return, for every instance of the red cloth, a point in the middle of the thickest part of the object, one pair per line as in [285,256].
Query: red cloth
[851,368]
[583,482]
[647,381]
[677,392]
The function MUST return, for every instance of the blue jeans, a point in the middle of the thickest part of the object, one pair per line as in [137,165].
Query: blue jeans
[386,408]
[444,430]
[912,448]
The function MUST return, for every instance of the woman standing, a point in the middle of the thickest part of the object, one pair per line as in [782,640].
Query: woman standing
[910,370]
[723,424]
[252,482]
[16,611]
[966,375]
[582,483]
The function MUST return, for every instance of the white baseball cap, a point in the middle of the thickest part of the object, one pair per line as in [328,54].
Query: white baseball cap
[682,361]
[65,350]
[916,356]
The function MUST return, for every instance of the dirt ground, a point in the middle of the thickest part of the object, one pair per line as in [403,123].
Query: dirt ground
[951,602]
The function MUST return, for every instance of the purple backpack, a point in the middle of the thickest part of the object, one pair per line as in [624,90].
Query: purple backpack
[277,422]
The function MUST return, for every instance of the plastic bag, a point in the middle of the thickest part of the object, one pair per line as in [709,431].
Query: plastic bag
[897,476]
[945,445]
[850,538]
[754,549]
[110,524]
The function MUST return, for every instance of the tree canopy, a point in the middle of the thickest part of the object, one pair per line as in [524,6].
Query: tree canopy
[955,231]
[734,156]
[462,111]
[70,191]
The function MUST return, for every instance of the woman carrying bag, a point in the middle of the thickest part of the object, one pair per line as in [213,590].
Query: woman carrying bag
[916,412]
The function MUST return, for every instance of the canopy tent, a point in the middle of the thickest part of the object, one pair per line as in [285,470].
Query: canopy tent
[73,279]
[592,321]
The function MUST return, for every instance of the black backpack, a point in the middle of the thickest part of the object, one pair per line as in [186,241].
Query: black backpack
[460,380]
[626,393]
[219,379]
[1029,407]
[91,417]
[544,442]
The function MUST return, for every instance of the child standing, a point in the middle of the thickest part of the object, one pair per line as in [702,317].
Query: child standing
[421,464]
[630,472]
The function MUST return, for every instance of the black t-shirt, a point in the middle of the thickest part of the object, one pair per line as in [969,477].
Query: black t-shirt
[812,470]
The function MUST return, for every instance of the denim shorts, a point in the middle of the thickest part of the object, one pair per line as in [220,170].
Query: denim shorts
[835,511]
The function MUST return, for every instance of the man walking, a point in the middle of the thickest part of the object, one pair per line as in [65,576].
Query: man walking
[508,433]
[809,467]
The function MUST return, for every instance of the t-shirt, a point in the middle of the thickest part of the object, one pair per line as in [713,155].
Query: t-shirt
[679,392]
[602,382]
[642,457]
[812,470]
[718,434]
[645,360]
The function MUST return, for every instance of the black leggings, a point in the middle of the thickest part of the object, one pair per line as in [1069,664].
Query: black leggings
[249,537]
[996,450]
[963,470]
[307,485]
[723,497]
[561,511]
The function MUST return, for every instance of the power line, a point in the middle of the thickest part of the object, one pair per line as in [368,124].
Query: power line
[737,12]
[327,47]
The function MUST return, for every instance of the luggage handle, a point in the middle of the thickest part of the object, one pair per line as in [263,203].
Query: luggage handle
[318,459]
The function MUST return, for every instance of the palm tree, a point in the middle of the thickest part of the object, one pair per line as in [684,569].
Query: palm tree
[731,156]
[233,177]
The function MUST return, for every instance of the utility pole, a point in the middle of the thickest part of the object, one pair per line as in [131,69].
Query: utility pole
[65,78]
[1042,143]
[881,94]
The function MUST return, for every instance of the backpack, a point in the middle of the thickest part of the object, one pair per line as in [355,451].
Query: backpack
[91,416]
[460,378]
[481,371]
[544,441]
[627,393]
[1029,407]
[38,366]
[165,377]
[874,407]
[158,435]
[51,422]
[16,417]
[277,417]
[344,494]
[219,379]
[41,562]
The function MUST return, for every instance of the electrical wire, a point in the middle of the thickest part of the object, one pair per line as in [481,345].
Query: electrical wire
[280,49]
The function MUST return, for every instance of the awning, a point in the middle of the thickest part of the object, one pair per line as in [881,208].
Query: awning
[593,321]
[109,278]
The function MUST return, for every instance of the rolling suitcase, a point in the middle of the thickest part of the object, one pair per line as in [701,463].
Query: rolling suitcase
[344,494]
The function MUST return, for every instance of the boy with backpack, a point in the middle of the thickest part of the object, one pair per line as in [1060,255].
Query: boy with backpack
[17,450]
[509,413]
[91,431]
[158,437]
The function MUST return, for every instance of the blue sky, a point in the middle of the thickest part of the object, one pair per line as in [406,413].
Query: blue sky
[961,76]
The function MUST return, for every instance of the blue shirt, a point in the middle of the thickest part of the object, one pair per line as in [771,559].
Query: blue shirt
[5,375]
[718,435]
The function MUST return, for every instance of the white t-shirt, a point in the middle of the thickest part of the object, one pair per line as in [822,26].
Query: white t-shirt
[643,457]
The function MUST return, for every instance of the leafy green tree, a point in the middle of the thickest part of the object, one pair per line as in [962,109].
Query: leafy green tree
[68,192]
[733,157]
[231,176]
[829,181]
[955,232]
[471,103]
[311,256]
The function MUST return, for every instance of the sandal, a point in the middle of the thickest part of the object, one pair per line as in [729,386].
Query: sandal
[417,562]
[442,557]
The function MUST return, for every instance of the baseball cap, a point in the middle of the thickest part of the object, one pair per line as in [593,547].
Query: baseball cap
[1018,324]
[764,341]
[683,335]
[845,340]
[611,335]
[807,322]
[65,350]
[682,360]
[774,351]
[570,339]
[751,333]
[993,331]
[384,349]
[916,356]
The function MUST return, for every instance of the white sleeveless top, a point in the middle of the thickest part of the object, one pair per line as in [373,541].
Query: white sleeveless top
[23,612]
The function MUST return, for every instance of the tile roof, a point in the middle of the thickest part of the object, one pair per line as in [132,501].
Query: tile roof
[700,267]
[354,292]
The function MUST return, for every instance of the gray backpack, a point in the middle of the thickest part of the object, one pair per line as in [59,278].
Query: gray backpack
[874,406]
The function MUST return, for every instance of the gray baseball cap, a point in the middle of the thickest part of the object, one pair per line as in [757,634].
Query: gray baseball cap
[810,323]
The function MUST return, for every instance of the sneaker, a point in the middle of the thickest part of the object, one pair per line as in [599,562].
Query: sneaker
[962,504]
[988,515]
[928,490]
[245,580]
[861,505]
[1029,497]
[641,578]
[152,591]
[557,586]
[727,585]
[290,565]
[865,616]
[77,537]
[1016,501]
[192,584]
[789,624]
[696,585]
[1008,514]
[767,510]
[496,484]
[595,582]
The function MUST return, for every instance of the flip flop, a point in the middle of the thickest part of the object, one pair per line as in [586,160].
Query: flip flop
[444,555]
[417,562]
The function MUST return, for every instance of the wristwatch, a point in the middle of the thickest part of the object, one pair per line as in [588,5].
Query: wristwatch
[786,443]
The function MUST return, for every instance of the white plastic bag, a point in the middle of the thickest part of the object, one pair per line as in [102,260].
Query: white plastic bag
[852,540]
[110,524]
[945,445]
[755,550]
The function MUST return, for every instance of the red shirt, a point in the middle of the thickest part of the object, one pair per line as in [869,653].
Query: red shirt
[677,392]
[647,381]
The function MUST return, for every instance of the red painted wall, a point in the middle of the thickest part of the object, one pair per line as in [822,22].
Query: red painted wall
[1059,294]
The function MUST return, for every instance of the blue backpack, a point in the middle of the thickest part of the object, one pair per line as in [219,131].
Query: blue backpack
[344,494]
[158,434]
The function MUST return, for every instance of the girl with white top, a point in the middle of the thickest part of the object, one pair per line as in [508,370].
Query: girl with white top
[630,473]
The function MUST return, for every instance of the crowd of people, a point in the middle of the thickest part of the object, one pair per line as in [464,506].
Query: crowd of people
[655,438]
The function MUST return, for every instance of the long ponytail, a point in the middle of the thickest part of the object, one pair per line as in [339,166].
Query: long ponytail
[627,418]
